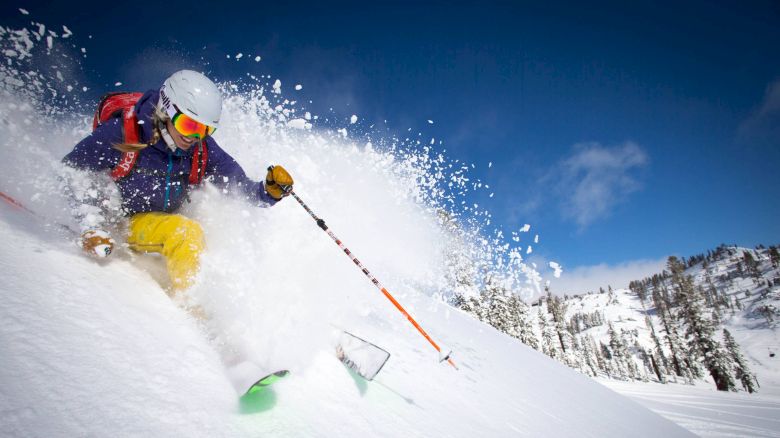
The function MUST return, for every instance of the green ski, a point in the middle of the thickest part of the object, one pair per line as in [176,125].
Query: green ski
[258,397]
[266,381]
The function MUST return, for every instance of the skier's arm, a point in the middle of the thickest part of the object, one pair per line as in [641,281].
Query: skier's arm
[96,152]
[84,190]
[224,172]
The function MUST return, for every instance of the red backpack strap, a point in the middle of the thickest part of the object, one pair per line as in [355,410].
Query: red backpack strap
[130,126]
[199,160]
[130,134]
[120,104]
[113,105]
[125,165]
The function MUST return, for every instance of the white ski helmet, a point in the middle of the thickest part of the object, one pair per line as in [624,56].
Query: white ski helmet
[193,94]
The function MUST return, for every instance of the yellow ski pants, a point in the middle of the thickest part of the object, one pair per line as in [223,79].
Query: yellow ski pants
[174,236]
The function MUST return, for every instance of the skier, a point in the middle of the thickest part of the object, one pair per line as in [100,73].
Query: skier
[157,150]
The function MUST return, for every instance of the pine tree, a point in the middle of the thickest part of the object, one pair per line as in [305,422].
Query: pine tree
[601,362]
[751,264]
[774,256]
[741,369]
[523,328]
[660,363]
[461,264]
[567,342]
[550,342]
[499,315]
[619,353]
[589,357]
[669,325]
[699,329]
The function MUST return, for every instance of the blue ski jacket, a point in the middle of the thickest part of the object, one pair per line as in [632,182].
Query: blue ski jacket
[159,181]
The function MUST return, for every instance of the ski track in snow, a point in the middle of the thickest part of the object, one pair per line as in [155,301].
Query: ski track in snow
[705,411]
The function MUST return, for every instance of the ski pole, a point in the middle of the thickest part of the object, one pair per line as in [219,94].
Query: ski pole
[321,224]
[16,204]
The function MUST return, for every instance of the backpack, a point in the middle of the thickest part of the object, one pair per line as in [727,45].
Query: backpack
[122,104]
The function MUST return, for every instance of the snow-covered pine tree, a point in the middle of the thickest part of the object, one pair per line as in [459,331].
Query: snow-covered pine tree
[751,265]
[647,361]
[631,366]
[499,314]
[557,309]
[601,362]
[550,342]
[669,325]
[741,369]
[774,256]
[524,330]
[699,329]
[657,356]
[618,354]
[459,260]
[588,356]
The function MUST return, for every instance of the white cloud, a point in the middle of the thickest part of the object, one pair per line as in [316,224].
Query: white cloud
[594,179]
[762,124]
[582,279]
[771,101]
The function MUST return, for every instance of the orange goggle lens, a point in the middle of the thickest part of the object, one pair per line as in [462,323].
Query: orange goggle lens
[190,127]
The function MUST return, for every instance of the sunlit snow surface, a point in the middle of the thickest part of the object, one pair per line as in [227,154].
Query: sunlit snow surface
[705,411]
[97,348]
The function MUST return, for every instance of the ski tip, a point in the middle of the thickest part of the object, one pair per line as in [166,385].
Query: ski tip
[267,381]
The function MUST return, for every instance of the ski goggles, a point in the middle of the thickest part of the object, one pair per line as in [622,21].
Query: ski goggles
[189,127]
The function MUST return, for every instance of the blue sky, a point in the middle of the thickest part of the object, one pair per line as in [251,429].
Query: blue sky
[619,132]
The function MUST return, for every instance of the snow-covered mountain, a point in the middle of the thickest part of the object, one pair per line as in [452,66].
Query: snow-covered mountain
[634,334]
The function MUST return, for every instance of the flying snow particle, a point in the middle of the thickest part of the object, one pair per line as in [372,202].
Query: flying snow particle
[525,228]
[257,58]
[536,239]
[67,32]
[24,11]
[299,124]
[84,88]
[558,269]
[353,119]
[307,115]
[529,250]
[239,56]
[298,87]
[430,122]
[490,164]
[343,132]
[491,195]
[49,42]
[277,87]
[118,84]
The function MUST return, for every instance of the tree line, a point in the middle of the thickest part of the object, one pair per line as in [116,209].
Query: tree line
[686,342]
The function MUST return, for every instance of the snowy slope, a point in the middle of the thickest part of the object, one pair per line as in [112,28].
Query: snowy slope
[100,350]
[705,411]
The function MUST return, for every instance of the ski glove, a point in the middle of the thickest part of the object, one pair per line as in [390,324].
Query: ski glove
[278,183]
[97,243]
